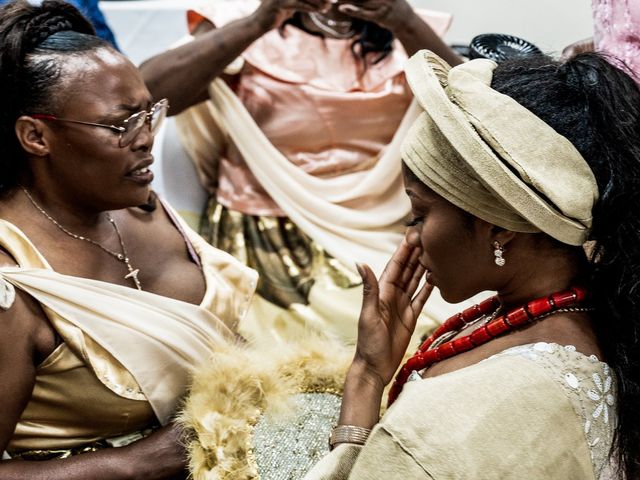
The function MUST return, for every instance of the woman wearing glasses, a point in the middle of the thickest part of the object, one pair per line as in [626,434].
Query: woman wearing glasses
[301,159]
[105,307]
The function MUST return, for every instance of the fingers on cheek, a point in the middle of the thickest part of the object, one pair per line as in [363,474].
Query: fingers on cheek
[407,271]
[414,259]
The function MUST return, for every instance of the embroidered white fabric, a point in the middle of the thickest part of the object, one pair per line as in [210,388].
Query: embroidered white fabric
[590,386]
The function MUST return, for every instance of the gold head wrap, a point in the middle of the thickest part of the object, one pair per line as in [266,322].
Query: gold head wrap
[490,156]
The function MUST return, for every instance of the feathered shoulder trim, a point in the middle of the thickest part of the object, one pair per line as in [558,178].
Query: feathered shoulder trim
[239,385]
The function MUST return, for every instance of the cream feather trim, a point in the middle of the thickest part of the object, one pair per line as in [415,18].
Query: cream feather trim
[240,383]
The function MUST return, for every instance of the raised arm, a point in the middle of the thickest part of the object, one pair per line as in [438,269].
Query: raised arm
[183,74]
[390,309]
[405,24]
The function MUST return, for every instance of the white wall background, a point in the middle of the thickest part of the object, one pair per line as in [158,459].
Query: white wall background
[550,24]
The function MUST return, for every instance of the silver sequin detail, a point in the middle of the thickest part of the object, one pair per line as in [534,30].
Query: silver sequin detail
[572,380]
[287,448]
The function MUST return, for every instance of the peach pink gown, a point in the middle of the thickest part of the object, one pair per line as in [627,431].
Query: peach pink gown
[327,115]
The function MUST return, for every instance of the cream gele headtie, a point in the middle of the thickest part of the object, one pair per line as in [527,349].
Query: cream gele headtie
[490,156]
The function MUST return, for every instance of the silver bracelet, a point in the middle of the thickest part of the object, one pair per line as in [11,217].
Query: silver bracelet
[348,434]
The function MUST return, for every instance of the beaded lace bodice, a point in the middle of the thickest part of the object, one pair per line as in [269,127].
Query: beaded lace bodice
[534,411]
[590,386]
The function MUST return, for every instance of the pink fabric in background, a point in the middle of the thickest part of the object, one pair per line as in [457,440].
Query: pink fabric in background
[617,31]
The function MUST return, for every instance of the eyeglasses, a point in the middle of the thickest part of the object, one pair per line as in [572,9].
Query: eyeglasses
[131,127]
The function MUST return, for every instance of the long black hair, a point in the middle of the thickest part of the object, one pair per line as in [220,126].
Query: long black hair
[34,40]
[369,38]
[597,107]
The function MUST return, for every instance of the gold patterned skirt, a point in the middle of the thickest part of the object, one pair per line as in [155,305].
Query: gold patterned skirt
[302,289]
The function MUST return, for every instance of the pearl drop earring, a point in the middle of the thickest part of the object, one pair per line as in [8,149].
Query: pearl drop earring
[498,252]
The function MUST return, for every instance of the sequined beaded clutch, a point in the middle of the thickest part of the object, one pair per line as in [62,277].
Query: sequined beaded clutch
[287,448]
[265,414]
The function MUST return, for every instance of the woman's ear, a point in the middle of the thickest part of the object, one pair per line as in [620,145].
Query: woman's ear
[499,238]
[31,135]
[489,233]
[501,235]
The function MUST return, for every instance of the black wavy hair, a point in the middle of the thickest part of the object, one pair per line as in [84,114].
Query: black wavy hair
[597,107]
[34,41]
[369,38]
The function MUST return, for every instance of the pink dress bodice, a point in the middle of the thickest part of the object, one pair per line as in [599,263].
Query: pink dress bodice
[313,101]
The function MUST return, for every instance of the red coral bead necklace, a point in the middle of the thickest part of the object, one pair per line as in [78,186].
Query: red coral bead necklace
[434,350]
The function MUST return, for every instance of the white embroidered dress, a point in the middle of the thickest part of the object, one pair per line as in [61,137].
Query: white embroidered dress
[538,411]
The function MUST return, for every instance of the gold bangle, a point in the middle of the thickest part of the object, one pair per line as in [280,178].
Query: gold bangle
[348,434]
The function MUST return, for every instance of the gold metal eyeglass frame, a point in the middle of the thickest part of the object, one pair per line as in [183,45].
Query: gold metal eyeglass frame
[160,107]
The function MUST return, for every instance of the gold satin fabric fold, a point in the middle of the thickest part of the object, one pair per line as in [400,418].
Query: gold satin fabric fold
[492,157]
[101,381]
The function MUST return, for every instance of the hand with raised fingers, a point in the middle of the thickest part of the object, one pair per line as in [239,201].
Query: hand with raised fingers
[389,14]
[273,13]
[390,309]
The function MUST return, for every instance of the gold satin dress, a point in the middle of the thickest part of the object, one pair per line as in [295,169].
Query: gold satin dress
[82,394]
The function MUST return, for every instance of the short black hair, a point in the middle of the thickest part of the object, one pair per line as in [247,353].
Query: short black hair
[34,40]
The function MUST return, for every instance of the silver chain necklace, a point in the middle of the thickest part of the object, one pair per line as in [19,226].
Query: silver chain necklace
[327,25]
[121,257]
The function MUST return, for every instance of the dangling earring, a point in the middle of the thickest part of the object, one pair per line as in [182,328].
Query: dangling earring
[498,252]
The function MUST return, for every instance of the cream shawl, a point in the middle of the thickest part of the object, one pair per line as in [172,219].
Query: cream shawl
[158,340]
[356,217]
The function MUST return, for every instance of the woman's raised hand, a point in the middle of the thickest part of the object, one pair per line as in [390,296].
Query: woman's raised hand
[389,14]
[273,13]
[390,309]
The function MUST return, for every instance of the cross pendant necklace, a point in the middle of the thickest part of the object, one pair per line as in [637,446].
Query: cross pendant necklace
[133,274]
[121,257]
